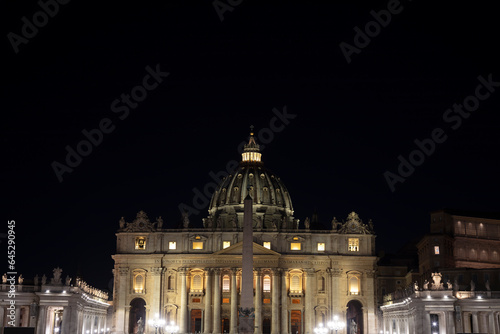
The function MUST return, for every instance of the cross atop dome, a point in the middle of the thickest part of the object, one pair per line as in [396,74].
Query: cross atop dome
[251,151]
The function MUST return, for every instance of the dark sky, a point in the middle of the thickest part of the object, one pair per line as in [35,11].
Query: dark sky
[352,120]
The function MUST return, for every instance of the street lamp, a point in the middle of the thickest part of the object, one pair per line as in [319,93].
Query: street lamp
[172,328]
[156,322]
[320,329]
[336,324]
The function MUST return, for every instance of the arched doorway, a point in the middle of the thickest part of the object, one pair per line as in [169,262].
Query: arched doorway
[137,311]
[354,317]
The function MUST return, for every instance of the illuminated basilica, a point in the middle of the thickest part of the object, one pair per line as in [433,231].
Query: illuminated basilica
[192,277]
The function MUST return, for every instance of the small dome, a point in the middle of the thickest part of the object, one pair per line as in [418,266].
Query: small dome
[271,201]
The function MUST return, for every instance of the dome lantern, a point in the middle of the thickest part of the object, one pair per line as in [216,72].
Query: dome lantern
[251,151]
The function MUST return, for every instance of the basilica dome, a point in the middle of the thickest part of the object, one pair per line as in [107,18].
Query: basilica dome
[272,205]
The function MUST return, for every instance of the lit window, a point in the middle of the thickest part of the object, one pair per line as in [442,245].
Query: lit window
[295,245]
[436,250]
[295,283]
[267,283]
[321,246]
[197,244]
[172,245]
[138,282]
[267,244]
[225,283]
[354,286]
[140,243]
[353,245]
[226,244]
[225,300]
[197,282]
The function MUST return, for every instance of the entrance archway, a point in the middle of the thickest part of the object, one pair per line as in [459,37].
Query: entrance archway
[137,311]
[354,317]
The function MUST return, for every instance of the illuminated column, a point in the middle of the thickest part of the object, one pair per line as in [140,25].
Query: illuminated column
[155,295]
[258,302]
[491,323]
[18,316]
[275,302]
[2,316]
[335,275]
[284,302]
[183,307]
[475,323]
[450,322]
[309,308]
[42,315]
[233,327]
[66,320]
[427,322]
[208,302]
[217,297]
[120,317]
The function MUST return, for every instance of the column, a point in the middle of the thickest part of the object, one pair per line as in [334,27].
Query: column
[233,324]
[183,307]
[18,316]
[335,274]
[207,319]
[42,315]
[258,302]
[491,323]
[309,307]
[275,302]
[2,315]
[475,323]
[450,323]
[427,322]
[217,300]
[284,302]
[156,273]
[120,316]
[66,319]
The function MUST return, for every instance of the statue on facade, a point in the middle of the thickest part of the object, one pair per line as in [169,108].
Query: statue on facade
[20,279]
[354,327]
[426,285]
[35,280]
[4,278]
[57,275]
[415,286]
[122,223]
[472,286]
[44,279]
[487,285]
[335,223]
[68,280]
[140,326]
[307,223]
[159,223]
[456,286]
[449,286]
[185,220]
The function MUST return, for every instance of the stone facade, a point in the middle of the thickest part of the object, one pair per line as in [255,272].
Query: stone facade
[54,306]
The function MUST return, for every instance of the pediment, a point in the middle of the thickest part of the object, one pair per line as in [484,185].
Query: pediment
[237,249]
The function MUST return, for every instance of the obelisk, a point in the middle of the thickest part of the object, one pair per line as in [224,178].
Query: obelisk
[246,310]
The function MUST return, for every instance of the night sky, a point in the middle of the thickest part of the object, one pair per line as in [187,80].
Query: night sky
[348,119]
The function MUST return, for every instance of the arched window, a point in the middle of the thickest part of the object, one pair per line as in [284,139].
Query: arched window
[321,284]
[197,282]
[225,283]
[267,283]
[354,285]
[139,281]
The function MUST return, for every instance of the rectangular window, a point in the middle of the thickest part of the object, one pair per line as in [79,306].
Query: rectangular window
[295,301]
[267,301]
[295,245]
[140,243]
[197,244]
[353,245]
[321,246]
[267,244]
[172,245]
[225,283]
[226,244]
[225,300]
[436,250]
[196,300]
